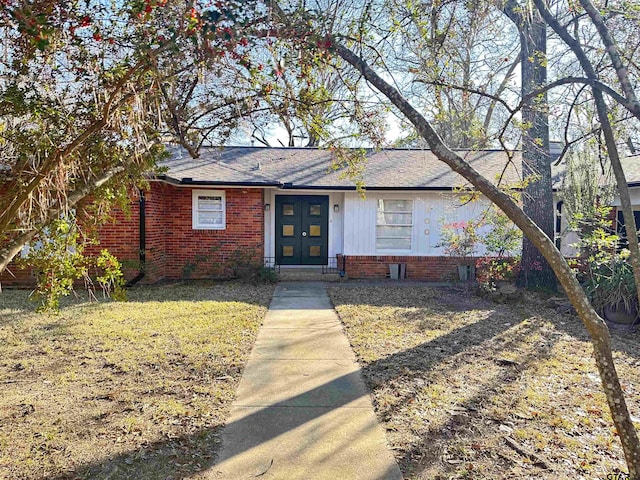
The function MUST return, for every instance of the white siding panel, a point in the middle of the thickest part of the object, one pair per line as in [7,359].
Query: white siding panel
[431,209]
[336,224]
[634,193]
[359,224]
[269,225]
[348,218]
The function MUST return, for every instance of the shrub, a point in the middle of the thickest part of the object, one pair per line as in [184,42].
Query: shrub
[58,260]
[268,274]
[112,280]
[611,284]
[243,264]
[459,239]
[491,270]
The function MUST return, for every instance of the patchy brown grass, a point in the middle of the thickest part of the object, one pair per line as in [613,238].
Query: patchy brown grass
[468,389]
[122,390]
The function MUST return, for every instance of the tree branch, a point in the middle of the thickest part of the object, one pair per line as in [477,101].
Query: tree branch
[13,247]
[495,98]
[594,324]
[612,50]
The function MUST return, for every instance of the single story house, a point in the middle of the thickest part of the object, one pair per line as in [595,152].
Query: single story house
[288,207]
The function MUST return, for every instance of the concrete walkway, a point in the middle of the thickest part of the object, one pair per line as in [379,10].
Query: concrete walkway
[302,410]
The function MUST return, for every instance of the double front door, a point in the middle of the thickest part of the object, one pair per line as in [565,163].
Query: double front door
[302,224]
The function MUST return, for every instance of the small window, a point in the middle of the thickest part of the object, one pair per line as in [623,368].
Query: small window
[394,225]
[288,230]
[315,210]
[558,229]
[209,210]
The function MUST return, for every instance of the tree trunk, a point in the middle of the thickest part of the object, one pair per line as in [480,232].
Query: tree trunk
[537,200]
[626,431]
[612,148]
[595,325]
[607,130]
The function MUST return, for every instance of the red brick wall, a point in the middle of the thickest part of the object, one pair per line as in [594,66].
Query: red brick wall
[434,269]
[14,276]
[156,211]
[121,236]
[177,250]
[173,248]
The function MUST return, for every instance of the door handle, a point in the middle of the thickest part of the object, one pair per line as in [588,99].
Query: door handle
[304,234]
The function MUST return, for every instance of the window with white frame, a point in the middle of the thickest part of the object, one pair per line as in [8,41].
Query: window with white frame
[394,224]
[209,210]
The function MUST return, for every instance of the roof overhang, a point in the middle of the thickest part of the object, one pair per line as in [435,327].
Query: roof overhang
[204,183]
[188,182]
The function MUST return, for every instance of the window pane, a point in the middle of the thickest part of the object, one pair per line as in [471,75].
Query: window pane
[315,210]
[395,218]
[393,243]
[210,218]
[288,209]
[314,231]
[384,231]
[397,205]
[209,203]
[288,231]
[314,250]
[394,224]
[287,251]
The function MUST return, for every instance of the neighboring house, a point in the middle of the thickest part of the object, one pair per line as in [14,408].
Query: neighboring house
[289,207]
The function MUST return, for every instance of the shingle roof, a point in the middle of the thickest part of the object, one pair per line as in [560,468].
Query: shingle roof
[312,168]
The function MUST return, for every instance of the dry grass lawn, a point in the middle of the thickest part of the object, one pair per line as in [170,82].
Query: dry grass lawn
[468,389]
[134,390]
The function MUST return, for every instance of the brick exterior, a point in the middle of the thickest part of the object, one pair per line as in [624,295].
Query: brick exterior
[121,236]
[14,276]
[433,269]
[174,250]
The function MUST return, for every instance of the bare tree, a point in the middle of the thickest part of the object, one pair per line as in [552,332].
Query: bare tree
[594,324]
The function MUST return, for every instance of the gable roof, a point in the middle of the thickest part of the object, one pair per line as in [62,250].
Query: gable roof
[312,168]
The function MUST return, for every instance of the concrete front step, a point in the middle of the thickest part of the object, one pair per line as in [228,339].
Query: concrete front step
[306,275]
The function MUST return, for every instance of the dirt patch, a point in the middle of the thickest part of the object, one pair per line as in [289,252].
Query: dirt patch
[123,390]
[470,389]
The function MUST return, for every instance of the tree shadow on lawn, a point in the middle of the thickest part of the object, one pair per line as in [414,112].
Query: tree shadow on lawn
[460,299]
[628,343]
[194,453]
[467,422]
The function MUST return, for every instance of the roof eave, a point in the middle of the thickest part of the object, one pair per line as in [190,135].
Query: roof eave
[202,183]
[289,186]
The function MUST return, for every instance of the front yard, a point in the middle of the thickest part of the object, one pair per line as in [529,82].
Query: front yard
[470,389]
[134,390]
[467,389]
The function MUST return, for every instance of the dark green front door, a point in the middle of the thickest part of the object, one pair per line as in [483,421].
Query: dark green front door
[302,224]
